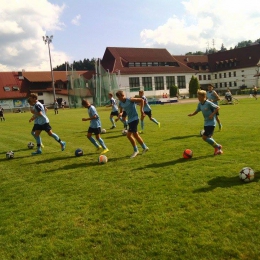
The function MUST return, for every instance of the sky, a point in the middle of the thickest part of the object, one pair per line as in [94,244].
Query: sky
[82,29]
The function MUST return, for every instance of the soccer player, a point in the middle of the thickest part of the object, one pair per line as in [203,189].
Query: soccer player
[123,119]
[114,111]
[147,111]
[2,114]
[129,105]
[209,111]
[41,122]
[213,96]
[95,126]
[255,92]
[56,107]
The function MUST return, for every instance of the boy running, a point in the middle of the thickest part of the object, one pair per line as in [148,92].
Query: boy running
[95,126]
[128,104]
[209,111]
[147,111]
[114,111]
[2,114]
[41,122]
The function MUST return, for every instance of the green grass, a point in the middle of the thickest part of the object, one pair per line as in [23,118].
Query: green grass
[156,206]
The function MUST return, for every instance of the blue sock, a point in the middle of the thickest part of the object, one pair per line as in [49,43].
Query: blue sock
[93,141]
[38,141]
[135,149]
[100,140]
[155,121]
[55,137]
[211,141]
[112,121]
[144,146]
[142,124]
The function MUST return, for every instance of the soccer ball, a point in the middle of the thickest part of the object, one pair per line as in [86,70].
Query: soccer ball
[124,132]
[78,152]
[247,174]
[103,131]
[30,145]
[102,159]
[202,132]
[187,154]
[9,155]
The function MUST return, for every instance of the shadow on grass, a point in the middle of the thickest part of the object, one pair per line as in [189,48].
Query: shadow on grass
[181,137]
[172,162]
[225,182]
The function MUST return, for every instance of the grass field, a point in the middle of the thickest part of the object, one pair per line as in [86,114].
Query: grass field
[155,206]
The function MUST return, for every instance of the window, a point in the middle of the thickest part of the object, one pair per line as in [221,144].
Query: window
[137,64]
[204,77]
[235,83]
[216,76]
[216,85]
[15,88]
[159,84]
[131,64]
[170,81]
[234,74]
[40,94]
[229,74]
[225,75]
[147,83]
[230,84]
[181,82]
[7,89]
[220,76]
[155,63]
[143,64]
[200,77]
[209,77]
[134,84]
[220,85]
[225,84]
[149,64]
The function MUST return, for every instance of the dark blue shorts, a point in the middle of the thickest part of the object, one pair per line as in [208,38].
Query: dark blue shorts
[95,131]
[46,127]
[148,113]
[115,113]
[209,130]
[132,127]
[124,114]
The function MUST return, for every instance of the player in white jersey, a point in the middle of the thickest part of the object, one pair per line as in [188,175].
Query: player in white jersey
[114,111]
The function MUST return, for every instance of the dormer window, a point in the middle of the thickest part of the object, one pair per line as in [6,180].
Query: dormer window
[15,88]
[7,88]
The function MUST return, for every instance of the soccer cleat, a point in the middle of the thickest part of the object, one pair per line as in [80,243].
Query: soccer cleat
[159,124]
[134,154]
[42,146]
[37,152]
[218,150]
[141,132]
[113,126]
[98,148]
[145,150]
[105,151]
[220,127]
[63,145]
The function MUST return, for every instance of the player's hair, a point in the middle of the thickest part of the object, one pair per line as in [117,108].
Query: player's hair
[210,85]
[110,93]
[141,91]
[84,102]
[119,93]
[33,95]
[202,93]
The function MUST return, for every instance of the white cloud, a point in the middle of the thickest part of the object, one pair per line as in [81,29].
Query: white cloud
[227,22]
[76,19]
[22,25]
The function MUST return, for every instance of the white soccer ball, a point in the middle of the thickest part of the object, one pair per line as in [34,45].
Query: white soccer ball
[247,174]
[30,145]
[124,132]
[9,155]
[103,131]
[202,132]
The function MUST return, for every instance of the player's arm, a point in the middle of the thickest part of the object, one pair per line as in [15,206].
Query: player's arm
[216,97]
[194,113]
[89,118]
[216,109]
[141,101]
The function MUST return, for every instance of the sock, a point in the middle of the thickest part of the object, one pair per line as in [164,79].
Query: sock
[135,149]
[56,137]
[112,121]
[144,146]
[38,141]
[155,121]
[211,141]
[142,124]
[92,140]
[100,140]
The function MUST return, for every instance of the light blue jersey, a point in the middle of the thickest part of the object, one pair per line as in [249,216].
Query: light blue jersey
[207,108]
[130,109]
[147,107]
[211,96]
[94,123]
[114,105]
[40,119]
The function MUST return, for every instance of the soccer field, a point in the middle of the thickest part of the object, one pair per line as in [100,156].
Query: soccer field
[155,206]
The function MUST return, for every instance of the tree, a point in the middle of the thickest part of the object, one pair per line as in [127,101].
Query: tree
[174,91]
[193,86]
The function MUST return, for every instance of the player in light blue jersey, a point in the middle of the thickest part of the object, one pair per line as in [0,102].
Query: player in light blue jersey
[129,106]
[114,111]
[147,111]
[209,111]
[213,96]
[95,127]
[41,122]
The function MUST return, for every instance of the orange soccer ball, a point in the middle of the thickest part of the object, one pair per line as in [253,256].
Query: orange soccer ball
[187,154]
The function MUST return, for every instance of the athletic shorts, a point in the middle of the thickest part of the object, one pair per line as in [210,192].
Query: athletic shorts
[124,114]
[46,127]
[209,130]
[148,113]
[115,113]
[95,131]
[132,127]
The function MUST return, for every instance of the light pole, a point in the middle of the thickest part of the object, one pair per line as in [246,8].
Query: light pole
[48,40]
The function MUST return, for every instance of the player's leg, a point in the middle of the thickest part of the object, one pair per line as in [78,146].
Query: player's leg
[207,137]
[48,130]
[38,141]
[100,140]
[91,139]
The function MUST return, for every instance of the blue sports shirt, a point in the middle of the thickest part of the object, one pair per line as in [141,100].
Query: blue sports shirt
[40,119]
[130,109]
[211,96]
[207,109]
[114,105]
[94,123]
[147,107]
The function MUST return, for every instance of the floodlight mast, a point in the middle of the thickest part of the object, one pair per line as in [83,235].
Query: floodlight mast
[48,40]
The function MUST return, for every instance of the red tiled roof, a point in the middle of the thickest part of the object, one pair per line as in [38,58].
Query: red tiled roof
[115,58]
